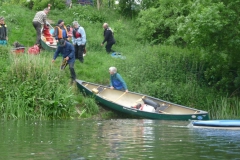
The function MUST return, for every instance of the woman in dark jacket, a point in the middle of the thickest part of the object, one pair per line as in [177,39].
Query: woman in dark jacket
[108,37]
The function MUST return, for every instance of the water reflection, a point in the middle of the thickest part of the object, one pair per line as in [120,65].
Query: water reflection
[223,143]
[115,139]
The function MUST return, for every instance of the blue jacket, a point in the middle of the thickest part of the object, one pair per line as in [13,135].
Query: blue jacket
[67,51]
[117,82]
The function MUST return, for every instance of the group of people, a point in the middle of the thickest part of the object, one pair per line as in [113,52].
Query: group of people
[71,51]
[3,32]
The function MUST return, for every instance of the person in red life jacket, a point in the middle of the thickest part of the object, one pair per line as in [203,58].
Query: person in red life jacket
[79,40]
[67,51]
[108,37]
[116,80]
[39,20]
[3,32]
[60,31]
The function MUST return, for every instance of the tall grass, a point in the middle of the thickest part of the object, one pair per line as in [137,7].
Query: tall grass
[224,108]
[33,89]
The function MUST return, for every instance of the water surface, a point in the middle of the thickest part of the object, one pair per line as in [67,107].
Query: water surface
[130,139]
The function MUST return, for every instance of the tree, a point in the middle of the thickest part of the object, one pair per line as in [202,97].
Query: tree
[128,8]
[214,26]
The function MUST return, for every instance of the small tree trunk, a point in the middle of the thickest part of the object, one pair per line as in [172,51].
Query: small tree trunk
[98,5]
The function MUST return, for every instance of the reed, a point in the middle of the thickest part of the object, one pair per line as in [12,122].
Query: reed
[224,108]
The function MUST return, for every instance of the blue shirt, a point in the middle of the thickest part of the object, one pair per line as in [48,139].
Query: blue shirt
[117,82]
[67,51]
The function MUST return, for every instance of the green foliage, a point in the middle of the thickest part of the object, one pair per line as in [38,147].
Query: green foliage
[223,107]
[212,26]
[90,105]
[146,4]
[34,88]
[87,13]
[128,8]
[209,25]
[158,24]
[39,4]
[4,52]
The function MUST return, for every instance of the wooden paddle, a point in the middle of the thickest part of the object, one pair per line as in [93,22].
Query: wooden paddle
[64,64]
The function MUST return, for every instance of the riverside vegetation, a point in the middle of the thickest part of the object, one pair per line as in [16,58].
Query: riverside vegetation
[31,87]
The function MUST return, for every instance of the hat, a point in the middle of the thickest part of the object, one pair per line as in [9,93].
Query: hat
[60,21]
[61,42]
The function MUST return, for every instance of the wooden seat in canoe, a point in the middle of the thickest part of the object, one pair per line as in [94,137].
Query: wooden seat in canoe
[162,108]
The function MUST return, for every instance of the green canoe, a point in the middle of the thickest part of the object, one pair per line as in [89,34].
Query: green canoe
[48,42]
[125,102]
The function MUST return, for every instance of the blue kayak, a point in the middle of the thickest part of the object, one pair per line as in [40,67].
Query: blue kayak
[217,123]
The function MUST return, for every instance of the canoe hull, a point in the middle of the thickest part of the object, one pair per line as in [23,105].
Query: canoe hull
[139,113]
[47,47]
[218,124]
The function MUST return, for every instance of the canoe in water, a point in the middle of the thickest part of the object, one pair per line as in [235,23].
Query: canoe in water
[149,107]
[220,124]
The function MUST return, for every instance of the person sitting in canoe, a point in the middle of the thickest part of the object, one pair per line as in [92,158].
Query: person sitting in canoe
[116,80]
[144,107]
[69,32]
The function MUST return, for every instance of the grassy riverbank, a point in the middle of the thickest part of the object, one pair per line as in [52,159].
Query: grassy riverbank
[34,88]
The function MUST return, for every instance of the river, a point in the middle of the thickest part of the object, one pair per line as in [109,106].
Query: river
[125,139]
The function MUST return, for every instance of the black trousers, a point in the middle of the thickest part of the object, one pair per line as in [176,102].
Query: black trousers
[38,27]
[72,71]
[109,47]
[79,52]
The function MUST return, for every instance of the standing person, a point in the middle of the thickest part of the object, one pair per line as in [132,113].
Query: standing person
[3,32]
[116,80]
[60,31]
[69,32]
[39,20]
[67,51]
[79,40]
[108,37]
[69,3]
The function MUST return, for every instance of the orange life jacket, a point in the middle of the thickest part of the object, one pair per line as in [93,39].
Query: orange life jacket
[60,31]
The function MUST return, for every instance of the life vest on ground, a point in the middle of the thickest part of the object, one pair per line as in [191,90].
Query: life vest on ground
[34,50]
